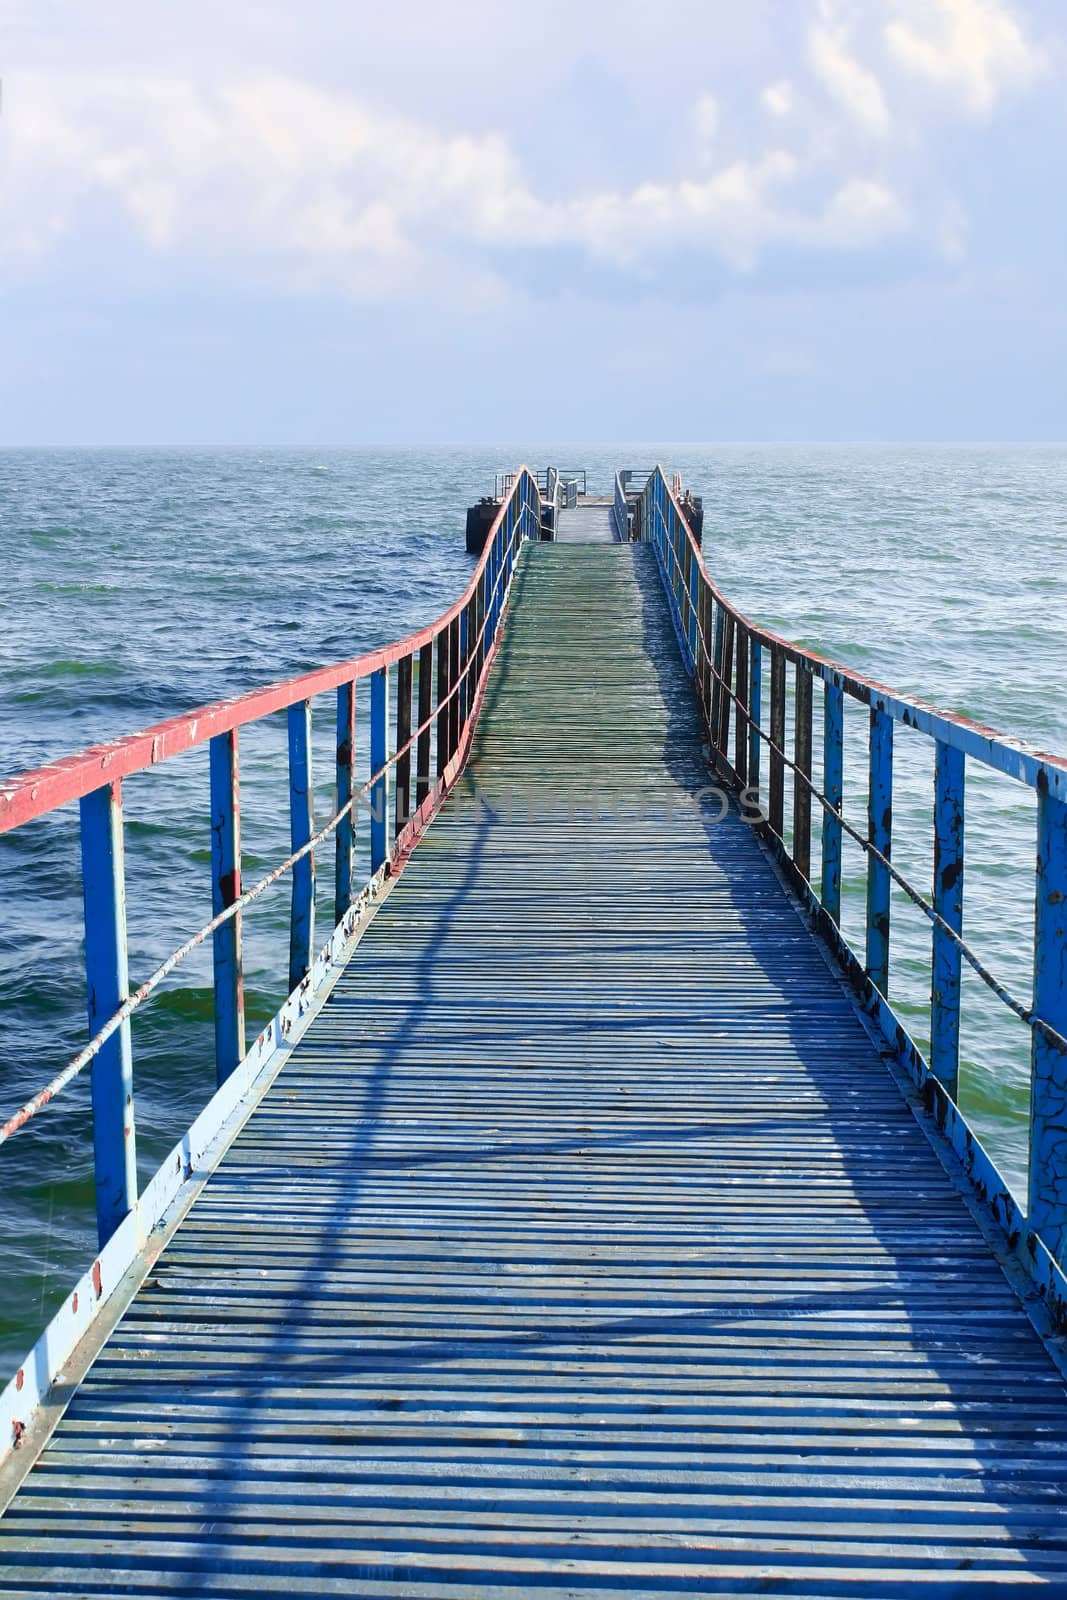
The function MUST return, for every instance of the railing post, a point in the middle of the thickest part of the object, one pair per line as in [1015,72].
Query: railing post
[726,705]
[741,708]
[704,677]
[880,835]
[949,779]
[225,793]
[301,827]
[755,711]
[379,788]
[454,686]
[422,750]
[346,787]
[462,675]
[802,753]
[107,984]
[716,671]
[443,663]
[833,761]
[1048,1095]
[403,735]
[776,815]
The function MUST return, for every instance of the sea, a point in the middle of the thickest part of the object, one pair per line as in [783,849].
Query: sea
[140,584]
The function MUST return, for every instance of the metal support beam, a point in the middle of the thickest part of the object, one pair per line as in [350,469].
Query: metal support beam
[777,805]
[346,787]
[379,789]
[880,835]
[741,708]
[1048,1095]
[225,786]
[833,762]
[403,734]
[107,985]
[422,749]
[802,754]
[301,828]
[946,973]
[755,707]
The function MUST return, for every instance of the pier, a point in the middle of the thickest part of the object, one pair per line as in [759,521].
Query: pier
[586,1223]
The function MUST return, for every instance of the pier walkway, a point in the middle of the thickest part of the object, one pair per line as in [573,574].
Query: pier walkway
[588,522]
[585,1224]
[586,1245]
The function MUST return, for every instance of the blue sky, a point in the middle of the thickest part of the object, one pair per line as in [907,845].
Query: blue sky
[341,223]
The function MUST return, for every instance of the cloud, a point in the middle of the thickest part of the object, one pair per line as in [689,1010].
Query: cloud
[276,174]
[850,83]
[777,98]
[976,48]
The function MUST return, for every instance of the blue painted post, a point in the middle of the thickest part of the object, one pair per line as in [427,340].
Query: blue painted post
[755,706]
[776,806]
[346,829]
[880,834]
[802,754]
[490,595]
[107,984]
[833,759]
[225,786]
[741,708]
[422,749]
[1048,1095]
[694,576]
[464,696]
[949,778]
[716,674]
[301,827]
[379,790]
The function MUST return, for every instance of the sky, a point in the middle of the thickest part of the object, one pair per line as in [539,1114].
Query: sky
[478,221]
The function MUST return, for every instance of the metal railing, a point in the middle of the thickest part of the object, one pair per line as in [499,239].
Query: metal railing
[620,512]
[575,476]
[730,659]
[426,688]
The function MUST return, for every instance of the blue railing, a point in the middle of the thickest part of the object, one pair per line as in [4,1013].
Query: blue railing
[731,660]
[424,695]
[620,514]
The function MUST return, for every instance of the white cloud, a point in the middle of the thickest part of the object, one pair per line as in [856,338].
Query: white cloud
[270,170]
[977,49]
[777,98]
[850,83]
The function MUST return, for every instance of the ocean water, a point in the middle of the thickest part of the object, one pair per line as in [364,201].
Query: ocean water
[137,585]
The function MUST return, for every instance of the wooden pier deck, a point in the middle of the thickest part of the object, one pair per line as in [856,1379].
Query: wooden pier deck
[586,1246]
[589,522]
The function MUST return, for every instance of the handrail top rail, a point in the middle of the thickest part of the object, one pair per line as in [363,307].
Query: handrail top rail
[32,794]
[1039,769]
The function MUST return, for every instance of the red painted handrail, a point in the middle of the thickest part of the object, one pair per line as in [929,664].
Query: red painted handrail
[71,777]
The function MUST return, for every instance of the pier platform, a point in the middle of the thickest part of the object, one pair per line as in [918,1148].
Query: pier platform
[587,1245]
